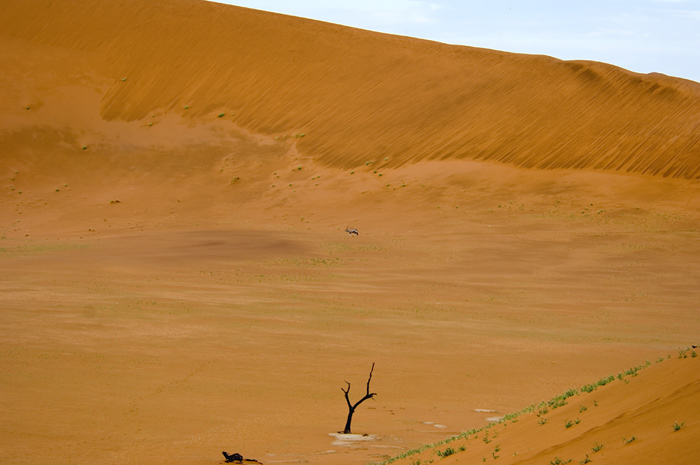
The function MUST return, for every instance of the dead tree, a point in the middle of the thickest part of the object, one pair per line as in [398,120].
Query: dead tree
[351,407]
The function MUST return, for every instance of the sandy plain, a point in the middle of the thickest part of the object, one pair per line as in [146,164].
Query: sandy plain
[176,279]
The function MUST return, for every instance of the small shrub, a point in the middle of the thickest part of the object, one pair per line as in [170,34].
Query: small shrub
[447,452]
[221,115]
[597,447]
[677,426]
[627,441]
[586,460]
[558,461]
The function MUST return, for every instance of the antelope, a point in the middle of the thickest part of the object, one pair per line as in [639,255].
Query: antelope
[352,232]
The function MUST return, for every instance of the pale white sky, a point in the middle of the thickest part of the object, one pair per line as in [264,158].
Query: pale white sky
[640,35]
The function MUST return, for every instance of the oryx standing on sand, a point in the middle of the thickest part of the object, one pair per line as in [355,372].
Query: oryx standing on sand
[352,232]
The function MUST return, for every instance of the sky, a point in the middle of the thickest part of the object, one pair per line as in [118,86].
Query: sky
[644,36]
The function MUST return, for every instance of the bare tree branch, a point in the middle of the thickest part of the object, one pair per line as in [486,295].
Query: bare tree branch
[351,408]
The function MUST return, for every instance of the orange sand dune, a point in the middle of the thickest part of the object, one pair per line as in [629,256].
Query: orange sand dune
[360,96]
[175,280]
[640,417]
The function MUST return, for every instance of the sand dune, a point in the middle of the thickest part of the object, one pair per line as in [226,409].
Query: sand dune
[175,280]
[638,417]
[360,96]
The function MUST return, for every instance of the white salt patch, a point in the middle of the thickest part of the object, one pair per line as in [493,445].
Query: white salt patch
[351,439]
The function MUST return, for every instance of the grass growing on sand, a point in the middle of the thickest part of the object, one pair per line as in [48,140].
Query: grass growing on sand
[540,409]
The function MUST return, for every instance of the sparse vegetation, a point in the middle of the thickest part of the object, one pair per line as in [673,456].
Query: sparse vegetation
[558,461]
[677,426]
[447,452]
[541,409]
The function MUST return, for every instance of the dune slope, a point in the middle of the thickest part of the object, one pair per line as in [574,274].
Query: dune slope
[360,96]
[647,416]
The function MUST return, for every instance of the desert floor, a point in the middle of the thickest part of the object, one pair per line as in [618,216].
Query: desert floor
[130,336]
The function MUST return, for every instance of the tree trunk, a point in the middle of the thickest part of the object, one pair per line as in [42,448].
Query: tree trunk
[347,429]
